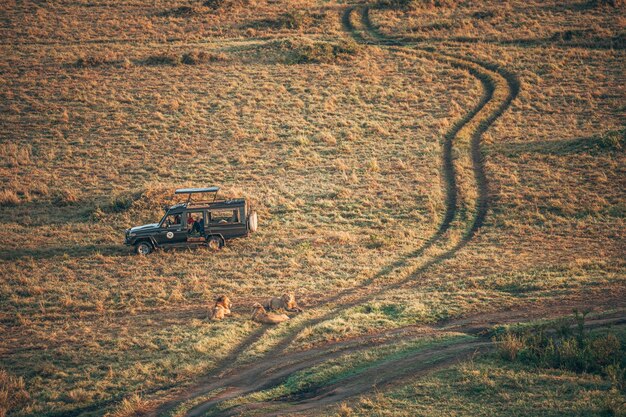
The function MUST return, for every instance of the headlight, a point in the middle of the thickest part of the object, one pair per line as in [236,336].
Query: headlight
[132,234]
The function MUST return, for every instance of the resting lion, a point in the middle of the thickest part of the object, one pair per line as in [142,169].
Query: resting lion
[221,308]
[260,315]
[286,302]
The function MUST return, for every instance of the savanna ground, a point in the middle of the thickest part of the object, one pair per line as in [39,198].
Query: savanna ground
[338,139]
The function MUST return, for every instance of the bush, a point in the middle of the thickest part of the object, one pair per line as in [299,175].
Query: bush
[578,352]
[88,61]
[97,60]
[201,57]
[609,3]
[510,345]
[322,52]
[164,59]
[120,204]
[612,140]
[296,20]
[487,14]
[413,4]
[65,197]
[183,11]
[9,198]
[223,4]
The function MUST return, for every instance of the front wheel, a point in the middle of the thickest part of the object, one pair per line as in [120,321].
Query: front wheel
[143,248]
[214,243]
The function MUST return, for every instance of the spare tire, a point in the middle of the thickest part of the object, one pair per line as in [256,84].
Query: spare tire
[253,221]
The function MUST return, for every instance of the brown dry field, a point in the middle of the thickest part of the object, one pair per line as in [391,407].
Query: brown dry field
[338,135]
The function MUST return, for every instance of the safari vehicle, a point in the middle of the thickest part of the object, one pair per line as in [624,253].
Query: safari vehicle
[208,222]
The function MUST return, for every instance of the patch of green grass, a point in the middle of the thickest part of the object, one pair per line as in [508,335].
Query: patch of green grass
[489,386]
[568,346]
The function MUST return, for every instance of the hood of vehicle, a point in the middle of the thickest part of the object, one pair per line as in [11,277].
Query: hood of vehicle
[144,228]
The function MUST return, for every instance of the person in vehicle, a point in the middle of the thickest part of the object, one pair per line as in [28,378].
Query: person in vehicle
[200,224]
[191,221]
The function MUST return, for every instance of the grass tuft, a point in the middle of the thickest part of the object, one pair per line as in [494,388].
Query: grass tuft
[9,198]
[13,392]
[131,407]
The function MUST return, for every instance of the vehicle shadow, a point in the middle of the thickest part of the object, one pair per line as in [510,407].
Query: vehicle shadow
[76,251]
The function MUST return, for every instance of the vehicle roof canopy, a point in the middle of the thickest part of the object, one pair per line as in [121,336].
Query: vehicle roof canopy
[197,190]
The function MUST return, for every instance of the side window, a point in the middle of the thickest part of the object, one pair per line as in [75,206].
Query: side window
[224,216]
[194,218]
[172,220]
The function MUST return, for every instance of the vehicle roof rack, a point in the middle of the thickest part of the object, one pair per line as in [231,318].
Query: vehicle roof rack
[191,191]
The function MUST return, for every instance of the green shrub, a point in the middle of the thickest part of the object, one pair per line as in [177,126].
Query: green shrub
[617,376]
[555,348]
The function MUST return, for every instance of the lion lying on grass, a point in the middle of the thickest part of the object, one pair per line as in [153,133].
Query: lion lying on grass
[260,315]
[286,302]
[221,308]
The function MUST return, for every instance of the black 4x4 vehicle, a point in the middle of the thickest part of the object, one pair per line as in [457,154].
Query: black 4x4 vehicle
[195,223]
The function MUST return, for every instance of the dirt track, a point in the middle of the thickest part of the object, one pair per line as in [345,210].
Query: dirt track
[273,371]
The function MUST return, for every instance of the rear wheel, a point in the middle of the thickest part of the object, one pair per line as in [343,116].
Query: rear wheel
[143,248]
[215,243]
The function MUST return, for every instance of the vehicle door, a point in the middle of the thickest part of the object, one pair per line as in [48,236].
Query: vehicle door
[227,222]
[171,230]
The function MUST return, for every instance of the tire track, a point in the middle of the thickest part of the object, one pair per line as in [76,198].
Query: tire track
[459,130]
[501,88]
[382,374]
[419,361]
[450,212]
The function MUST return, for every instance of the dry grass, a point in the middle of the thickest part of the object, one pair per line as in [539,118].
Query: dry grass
[337,144]
[13,392]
